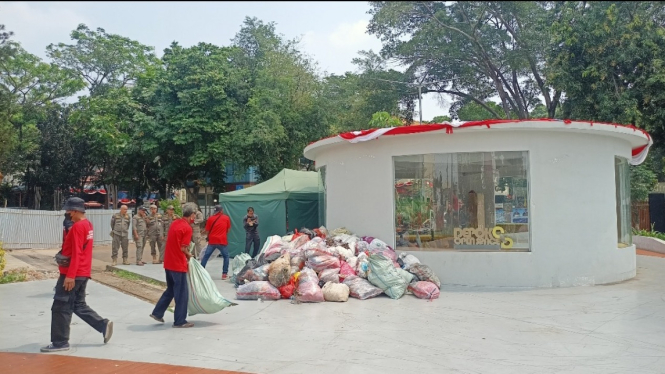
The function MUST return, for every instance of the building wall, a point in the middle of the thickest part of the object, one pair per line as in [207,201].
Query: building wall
[572,204]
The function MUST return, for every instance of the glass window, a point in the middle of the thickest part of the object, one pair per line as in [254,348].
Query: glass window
[322,195]
[622,183]
[462,201]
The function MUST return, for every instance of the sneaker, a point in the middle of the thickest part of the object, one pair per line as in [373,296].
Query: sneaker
[157,318]
[108,331]
[184,325]
[55,348]
[224,276]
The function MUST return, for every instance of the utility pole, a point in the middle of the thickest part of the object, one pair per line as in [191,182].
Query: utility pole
[420,102]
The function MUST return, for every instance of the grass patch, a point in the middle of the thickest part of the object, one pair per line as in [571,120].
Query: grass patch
[651,234]
[14,276]
[134,277]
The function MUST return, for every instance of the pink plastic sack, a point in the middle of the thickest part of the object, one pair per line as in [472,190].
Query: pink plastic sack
[329,275]
[308,290]
[256,290]
[424,290]
[322,262]
[345,270]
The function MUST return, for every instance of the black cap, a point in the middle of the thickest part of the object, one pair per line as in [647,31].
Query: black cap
[218,208]
[143,208]
[75,203]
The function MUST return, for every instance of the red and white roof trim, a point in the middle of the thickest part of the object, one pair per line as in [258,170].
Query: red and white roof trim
[639,152]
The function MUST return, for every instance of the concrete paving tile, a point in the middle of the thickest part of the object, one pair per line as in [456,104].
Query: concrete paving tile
[600,329]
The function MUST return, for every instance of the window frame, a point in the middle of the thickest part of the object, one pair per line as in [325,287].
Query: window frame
[529,204]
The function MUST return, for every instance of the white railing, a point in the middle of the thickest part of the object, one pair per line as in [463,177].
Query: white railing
[23,228]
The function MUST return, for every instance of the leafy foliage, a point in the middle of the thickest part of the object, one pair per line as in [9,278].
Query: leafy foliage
[472,50]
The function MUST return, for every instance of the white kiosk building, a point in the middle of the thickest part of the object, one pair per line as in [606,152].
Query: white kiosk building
[498,203]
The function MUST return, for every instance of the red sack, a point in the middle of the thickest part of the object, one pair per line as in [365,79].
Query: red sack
[345,270]
[296,234]
[424,290]
[287,290]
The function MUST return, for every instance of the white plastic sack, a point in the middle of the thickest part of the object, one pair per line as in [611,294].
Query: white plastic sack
[335,291]
[362,265]
[408,260]
[204,297]
[273,245]
[237,264]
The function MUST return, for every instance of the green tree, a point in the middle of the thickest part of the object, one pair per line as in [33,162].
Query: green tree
[283,112]
[109,64]
[350,100]
[642,181]
[103,60]
[472,50]
[608,60]
[471,111]
[383,119]
[441,119]
[194,106]
[28,87]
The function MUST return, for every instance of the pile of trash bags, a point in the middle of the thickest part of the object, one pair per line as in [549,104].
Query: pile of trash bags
[317,265]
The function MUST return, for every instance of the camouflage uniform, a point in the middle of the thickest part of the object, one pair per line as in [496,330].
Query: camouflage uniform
[140,227]
[120,233]
[155,235]
[196,234]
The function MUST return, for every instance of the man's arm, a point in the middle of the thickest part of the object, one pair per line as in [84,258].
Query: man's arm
[74,238]
[134,224]
[186,240]
[112,221]
[256,220]
[244,222]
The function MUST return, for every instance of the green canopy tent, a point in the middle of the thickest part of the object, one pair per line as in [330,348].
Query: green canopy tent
[287,201]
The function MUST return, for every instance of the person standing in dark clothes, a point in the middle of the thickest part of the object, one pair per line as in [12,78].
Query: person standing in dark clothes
[176,257]
[70,289]
[251,224]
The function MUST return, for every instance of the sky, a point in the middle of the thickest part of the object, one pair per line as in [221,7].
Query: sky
[331,33]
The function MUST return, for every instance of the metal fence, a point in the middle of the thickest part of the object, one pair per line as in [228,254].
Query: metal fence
[23,228]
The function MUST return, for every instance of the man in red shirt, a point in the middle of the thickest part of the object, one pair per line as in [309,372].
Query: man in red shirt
[176,255]
[70,289]
[217,227]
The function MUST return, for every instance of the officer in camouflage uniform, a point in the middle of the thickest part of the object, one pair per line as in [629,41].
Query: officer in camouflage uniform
[140,228]
[155,233]
[196,233]
[167,220]
[120,233]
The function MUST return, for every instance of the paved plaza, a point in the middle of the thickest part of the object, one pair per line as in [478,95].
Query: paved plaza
[616,328]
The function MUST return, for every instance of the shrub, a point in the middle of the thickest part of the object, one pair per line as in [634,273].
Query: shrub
[2,259]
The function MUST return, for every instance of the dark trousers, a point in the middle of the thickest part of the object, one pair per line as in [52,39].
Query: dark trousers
[176,288]
[252,239]
[65,303]
[222,249]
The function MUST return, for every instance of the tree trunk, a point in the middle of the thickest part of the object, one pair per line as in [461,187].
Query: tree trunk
[38,198]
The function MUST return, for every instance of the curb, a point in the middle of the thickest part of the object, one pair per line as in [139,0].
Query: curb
[649,244]
[114,269]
